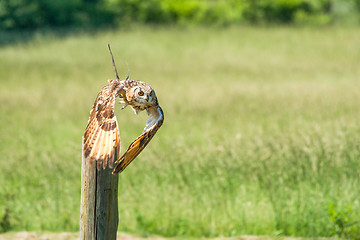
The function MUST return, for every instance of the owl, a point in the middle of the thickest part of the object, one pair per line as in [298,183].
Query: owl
[101,138]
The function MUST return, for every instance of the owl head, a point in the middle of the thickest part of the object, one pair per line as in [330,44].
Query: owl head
[141,96]
[137,94]
[145,95]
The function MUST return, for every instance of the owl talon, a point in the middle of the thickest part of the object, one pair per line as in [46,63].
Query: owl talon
[136,111]
[124,105]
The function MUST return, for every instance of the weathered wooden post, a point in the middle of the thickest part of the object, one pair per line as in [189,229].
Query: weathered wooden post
[99,202]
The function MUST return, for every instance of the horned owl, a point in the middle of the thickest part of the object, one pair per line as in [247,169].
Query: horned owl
[101,136]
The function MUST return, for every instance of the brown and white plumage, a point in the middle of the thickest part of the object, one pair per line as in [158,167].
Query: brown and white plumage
[154,122]
[101,137]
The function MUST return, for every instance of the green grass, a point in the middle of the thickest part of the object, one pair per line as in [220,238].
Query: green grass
[261,133]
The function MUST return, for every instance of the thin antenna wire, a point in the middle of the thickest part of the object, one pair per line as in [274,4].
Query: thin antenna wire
[113,62]
[127,78]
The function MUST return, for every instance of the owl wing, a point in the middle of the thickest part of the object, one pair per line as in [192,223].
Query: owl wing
[154,122]
[101,136]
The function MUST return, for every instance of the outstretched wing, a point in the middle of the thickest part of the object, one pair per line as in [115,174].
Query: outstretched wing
[101,136]
[154,122]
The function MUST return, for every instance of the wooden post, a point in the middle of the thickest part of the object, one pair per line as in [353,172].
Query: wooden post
[99,203]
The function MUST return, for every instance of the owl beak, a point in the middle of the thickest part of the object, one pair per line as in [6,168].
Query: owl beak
[147,98]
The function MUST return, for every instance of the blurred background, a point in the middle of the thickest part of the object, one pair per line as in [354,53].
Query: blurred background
[261,102]
[25,14]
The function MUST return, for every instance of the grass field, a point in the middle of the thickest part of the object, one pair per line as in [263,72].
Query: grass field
[261,133]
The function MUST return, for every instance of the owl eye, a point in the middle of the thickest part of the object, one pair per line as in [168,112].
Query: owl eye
[150,94]
[141,93]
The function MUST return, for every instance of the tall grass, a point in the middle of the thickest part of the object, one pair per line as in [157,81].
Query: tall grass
[261,132]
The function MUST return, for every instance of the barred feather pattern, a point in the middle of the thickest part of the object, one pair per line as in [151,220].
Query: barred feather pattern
[154,122]
[101,137]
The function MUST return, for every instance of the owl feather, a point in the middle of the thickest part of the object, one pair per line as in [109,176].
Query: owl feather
[101,141]
[154,122]
[101,137]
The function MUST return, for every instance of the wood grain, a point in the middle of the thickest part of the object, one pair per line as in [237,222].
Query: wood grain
[99,202]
